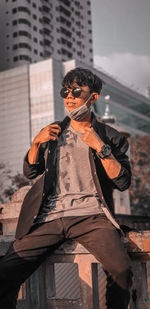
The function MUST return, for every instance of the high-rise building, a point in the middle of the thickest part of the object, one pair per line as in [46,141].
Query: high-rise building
[33,30]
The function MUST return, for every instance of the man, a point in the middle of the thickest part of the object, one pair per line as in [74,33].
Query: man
[81,161]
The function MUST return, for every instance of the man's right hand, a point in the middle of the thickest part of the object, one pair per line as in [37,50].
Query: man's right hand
[50,132]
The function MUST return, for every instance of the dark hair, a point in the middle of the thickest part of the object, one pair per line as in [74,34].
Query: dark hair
[83,77]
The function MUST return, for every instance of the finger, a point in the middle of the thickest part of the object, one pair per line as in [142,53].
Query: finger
[55,126]
[53,138]
[54,130]
[53,134]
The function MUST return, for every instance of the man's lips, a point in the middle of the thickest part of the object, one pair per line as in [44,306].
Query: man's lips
[70,104]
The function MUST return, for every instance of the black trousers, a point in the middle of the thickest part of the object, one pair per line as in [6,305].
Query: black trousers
[95,233]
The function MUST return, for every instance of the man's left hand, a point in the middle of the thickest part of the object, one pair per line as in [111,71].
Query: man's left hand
[91,138]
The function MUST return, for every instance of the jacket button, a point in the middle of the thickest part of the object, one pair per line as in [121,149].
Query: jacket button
[49,151]
[46,169]
[43,194]
[34,217]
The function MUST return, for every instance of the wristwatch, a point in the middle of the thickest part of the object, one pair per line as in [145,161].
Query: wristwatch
[105,152]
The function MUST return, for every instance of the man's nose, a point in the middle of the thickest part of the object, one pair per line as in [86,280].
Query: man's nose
[70,95]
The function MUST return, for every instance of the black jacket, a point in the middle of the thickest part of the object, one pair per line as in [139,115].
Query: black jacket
[46,166]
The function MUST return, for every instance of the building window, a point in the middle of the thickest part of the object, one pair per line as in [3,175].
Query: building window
[24,57]
[15,46]
[35,40]
[45,9]
[34,28]
[79,53]
[34,5]
[15,58]
[66,42]
[25,45]
[46,31]
[14,22]
[15,34]
[34,16]
[65,21]
[14,11]
[24,21]
[66,32]
[46,20]
[21,9]
[25,33]
[47,43]
[66,53]
[66,2]
[47,54]
[64,11]
[24,9]
[35,51]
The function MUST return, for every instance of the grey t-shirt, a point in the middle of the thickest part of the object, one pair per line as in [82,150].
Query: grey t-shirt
[75,193]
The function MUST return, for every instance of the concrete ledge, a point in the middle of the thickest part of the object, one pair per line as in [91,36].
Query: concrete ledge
[137,244]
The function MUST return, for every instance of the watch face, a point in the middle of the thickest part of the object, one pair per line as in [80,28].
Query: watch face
[106,150]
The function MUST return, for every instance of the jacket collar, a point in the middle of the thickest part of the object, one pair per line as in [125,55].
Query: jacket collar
[65,122]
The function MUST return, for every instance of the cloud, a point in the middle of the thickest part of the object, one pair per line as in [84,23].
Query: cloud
[127,68]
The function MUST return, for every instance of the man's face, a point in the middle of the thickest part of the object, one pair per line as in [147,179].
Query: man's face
[71,102]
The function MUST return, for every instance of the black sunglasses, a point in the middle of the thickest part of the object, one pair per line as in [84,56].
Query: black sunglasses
[76,92]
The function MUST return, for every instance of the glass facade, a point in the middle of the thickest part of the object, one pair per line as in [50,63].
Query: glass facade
[131,109]
[41,96]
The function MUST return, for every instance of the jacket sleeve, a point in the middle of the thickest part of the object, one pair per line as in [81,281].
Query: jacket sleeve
[31,171]
[119,145]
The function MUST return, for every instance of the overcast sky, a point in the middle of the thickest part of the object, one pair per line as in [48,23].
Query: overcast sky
[121,40]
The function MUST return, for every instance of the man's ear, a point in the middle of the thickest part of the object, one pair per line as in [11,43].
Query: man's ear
[94,97]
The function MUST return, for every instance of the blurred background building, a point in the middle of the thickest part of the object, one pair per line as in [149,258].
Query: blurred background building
[35,30]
